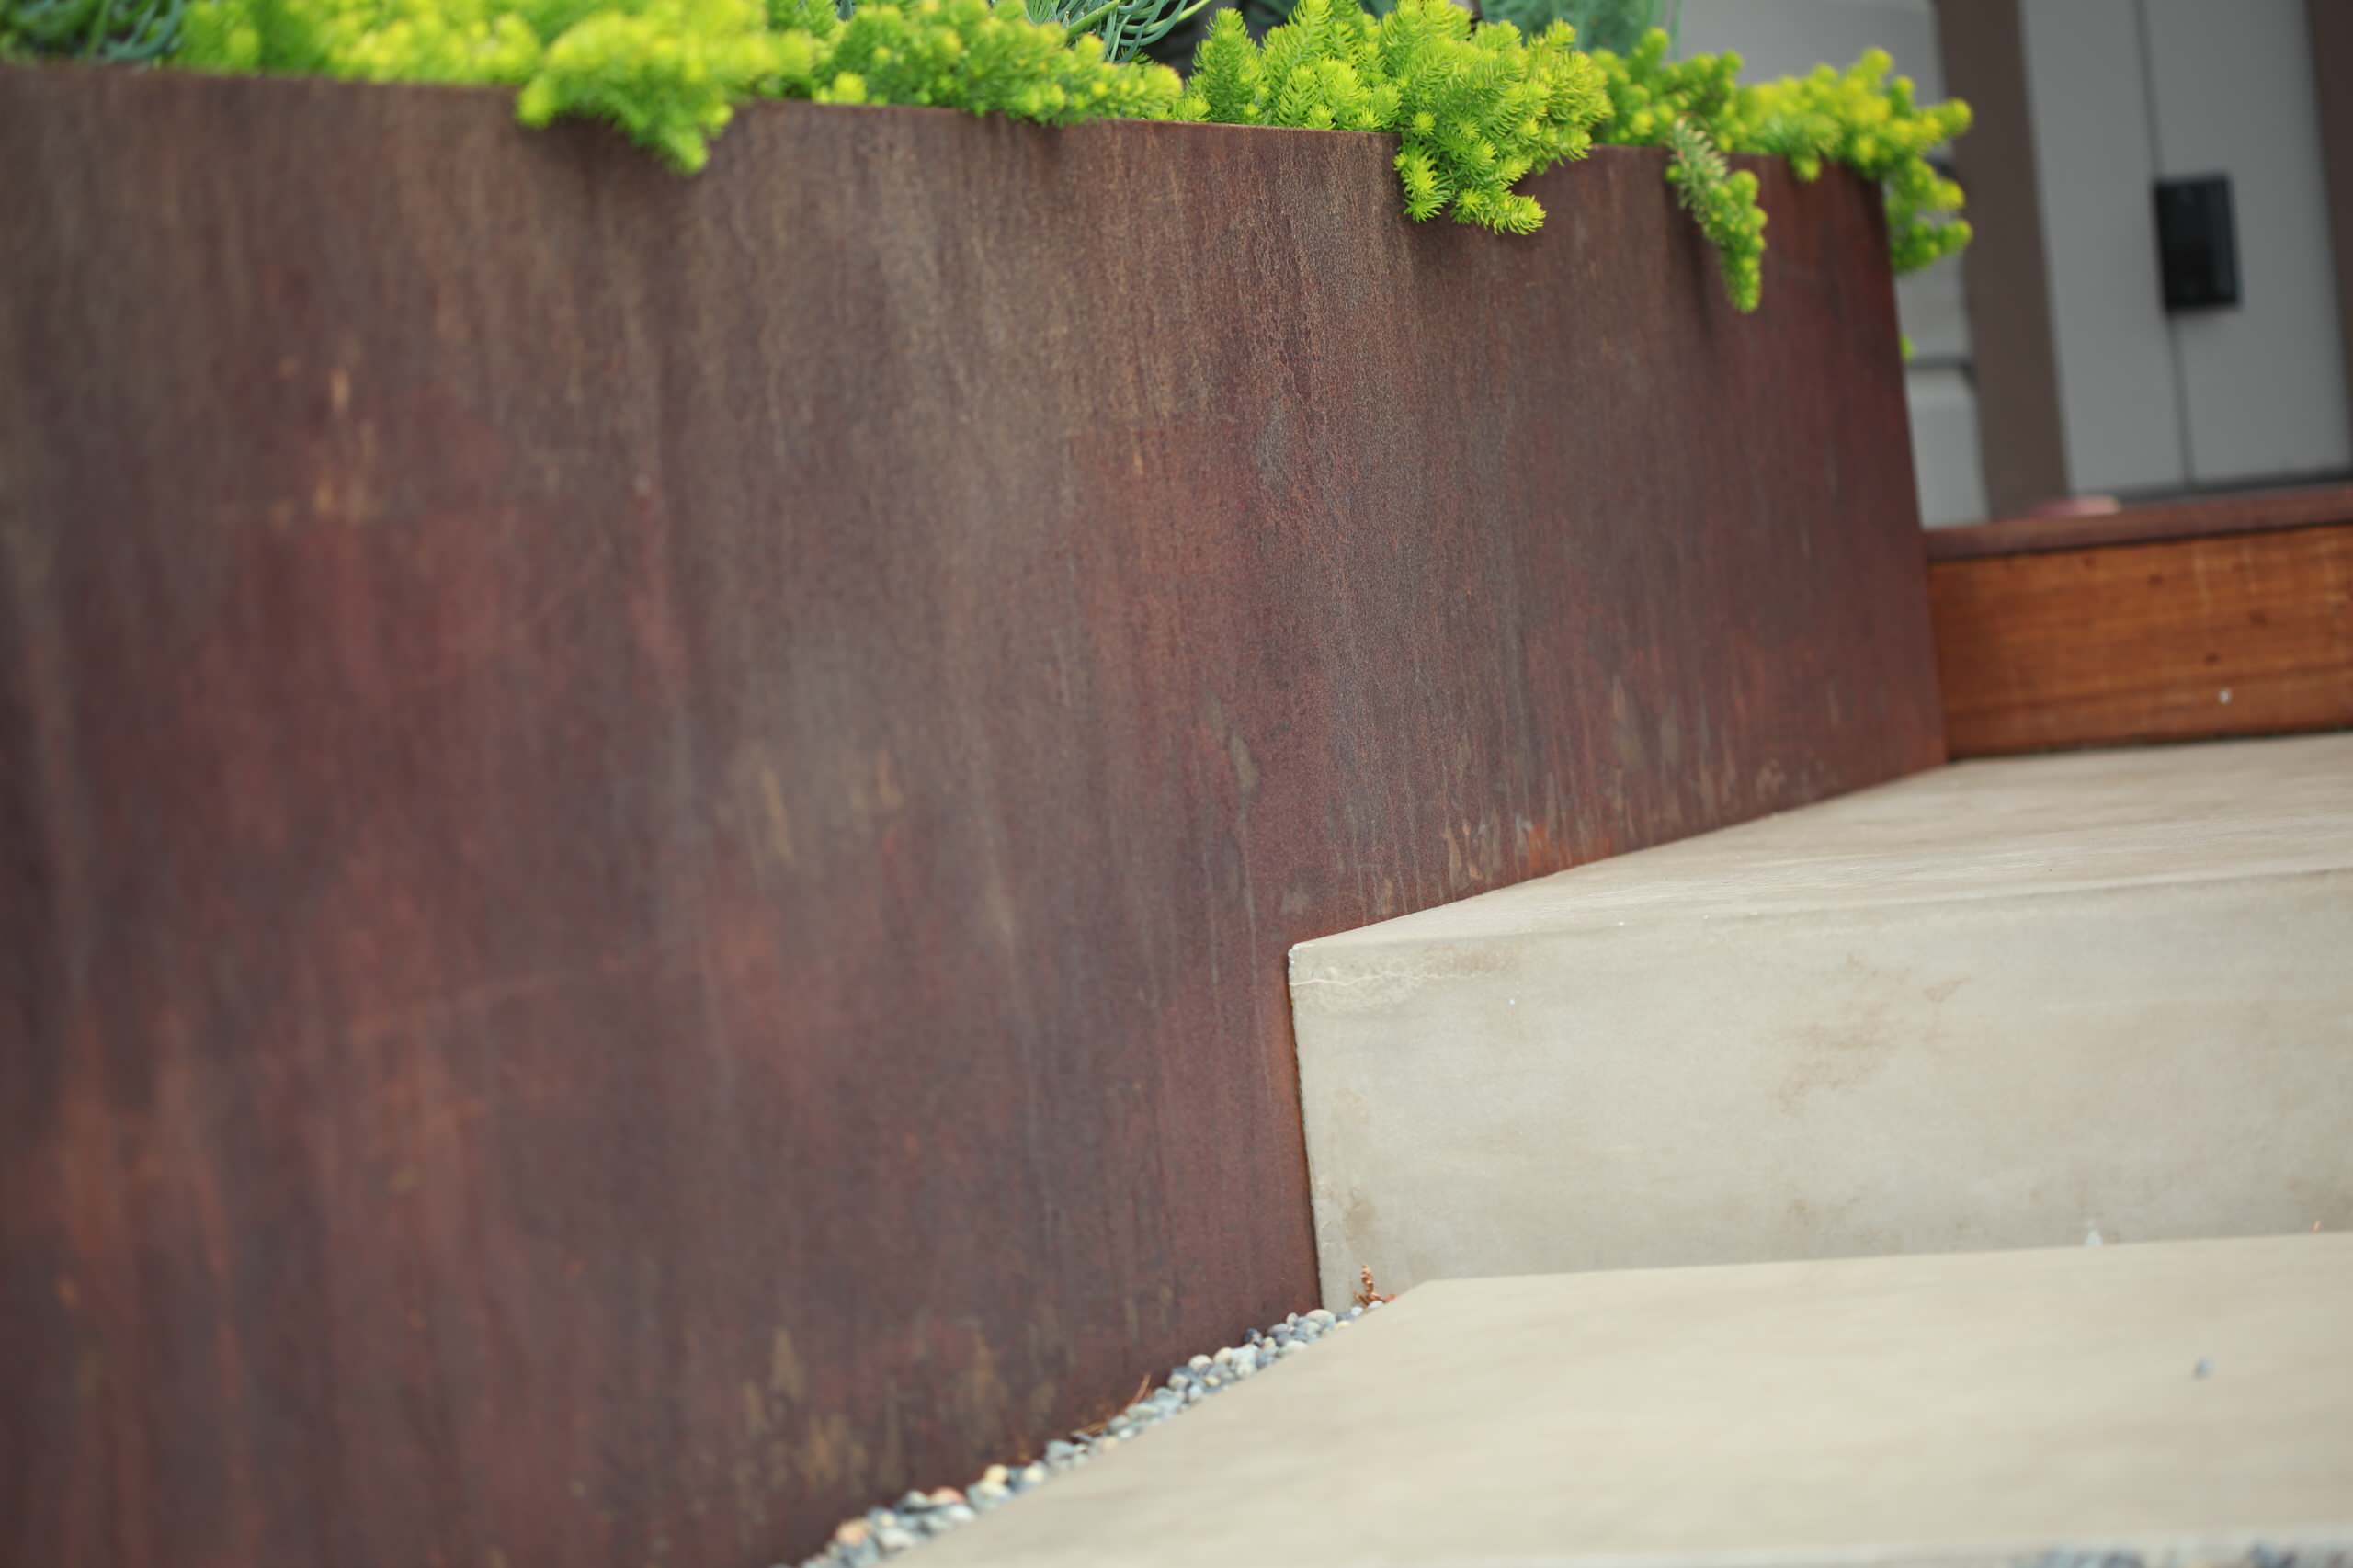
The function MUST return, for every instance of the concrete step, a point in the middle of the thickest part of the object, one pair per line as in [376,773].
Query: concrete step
[2186,1401]
[2003,1004]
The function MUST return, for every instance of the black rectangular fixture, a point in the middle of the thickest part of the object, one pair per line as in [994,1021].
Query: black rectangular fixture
[2197,242]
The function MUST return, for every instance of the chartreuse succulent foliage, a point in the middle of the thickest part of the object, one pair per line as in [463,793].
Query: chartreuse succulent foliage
[1698,108]
[671,72]
[1476,108]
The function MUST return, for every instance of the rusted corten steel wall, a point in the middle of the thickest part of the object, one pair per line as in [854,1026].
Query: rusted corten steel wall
[650,826]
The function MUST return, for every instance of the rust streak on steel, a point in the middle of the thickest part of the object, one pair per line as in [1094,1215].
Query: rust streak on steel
[650,826]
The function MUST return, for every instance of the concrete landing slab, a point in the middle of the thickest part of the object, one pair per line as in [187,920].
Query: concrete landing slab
[1952,1409]
[2001,1005]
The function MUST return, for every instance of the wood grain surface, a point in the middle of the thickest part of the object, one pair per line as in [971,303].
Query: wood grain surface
[2182,639]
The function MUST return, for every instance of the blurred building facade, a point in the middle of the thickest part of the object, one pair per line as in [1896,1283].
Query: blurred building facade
[2046,363]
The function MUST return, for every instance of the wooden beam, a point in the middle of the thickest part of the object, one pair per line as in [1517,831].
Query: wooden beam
[2238,634]
[2246,512]
[2332,31]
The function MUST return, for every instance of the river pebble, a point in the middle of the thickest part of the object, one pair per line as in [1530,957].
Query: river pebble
[2259,1555]
[918,1516]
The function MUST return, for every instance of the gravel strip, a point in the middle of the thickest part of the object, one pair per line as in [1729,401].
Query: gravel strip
[918,1516]
[2256,1556]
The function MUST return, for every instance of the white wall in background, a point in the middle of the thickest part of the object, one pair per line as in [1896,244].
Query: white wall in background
[1786,38]
[2263,385]
[2089,102]
[1944,445]
[2123,91]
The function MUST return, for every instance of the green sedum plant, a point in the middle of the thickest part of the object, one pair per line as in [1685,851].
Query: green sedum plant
[382,40]
[1723,202]
[1475,107]
[1855,116]
[1873,126]
[970,55]
[671,72]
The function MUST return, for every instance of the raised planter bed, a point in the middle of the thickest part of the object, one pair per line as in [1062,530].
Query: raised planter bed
[652,824]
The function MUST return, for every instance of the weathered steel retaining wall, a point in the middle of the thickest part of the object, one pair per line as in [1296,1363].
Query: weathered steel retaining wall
[649,827]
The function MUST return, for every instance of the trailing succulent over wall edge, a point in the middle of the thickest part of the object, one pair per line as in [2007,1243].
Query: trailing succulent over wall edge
[1476,108]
